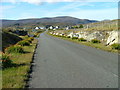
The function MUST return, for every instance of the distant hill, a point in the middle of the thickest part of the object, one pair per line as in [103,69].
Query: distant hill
[63,20]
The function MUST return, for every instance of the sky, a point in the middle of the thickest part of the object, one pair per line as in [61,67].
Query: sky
[83,9]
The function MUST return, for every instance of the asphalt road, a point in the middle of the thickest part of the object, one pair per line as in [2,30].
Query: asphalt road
[63,64]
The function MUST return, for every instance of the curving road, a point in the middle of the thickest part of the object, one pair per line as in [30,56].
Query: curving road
[63,64]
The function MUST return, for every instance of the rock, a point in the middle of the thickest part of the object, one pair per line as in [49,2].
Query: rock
[70,34]
[113,37]
[106,37]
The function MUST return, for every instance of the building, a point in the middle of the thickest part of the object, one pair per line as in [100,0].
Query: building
[36,28]
[51,27]
[42,27]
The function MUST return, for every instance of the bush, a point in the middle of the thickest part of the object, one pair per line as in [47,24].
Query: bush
[24,43]
[36,34]
[25,37]
[28,40]
[6,62]
[82,39]
[68,36]
[95,41]
[116,46]
[74,37]
[14,49]
[31,38]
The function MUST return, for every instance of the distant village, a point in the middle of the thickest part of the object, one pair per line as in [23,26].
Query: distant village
[27,31]
[53,28]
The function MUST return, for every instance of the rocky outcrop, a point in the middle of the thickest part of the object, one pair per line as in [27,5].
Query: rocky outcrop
[113,37]
[106,37]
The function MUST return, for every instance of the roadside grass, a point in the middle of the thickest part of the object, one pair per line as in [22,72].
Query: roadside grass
[16,76]
[94,45]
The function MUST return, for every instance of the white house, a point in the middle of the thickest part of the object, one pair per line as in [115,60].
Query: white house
[56,27]
[36,27]
[51,27]
[42,27]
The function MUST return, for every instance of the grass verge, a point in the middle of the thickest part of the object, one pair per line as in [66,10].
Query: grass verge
[16,76]
[94,45]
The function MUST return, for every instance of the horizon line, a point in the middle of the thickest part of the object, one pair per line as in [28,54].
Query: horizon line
[55,17]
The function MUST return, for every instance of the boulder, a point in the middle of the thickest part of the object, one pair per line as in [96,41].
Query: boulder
[113,37]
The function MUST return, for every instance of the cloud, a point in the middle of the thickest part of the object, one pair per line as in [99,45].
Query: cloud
[26,15]
[74,9]
[36,2]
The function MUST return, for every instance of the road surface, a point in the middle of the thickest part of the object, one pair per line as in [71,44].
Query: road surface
[64,64]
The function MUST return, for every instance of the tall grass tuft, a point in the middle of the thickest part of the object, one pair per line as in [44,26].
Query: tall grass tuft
[95,41]
[82,39]
[6,62]
[14,49]
[74,37]
[24,43]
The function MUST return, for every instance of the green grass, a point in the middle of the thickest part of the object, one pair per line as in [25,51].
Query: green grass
[14,49]
[116,46]
[95,41]
[94,45]
[82,40]
[103,26]
[24,43]
[14,77]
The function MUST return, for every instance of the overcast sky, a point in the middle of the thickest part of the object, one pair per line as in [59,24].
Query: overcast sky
[83,9]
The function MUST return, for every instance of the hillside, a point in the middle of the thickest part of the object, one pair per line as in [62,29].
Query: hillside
[103,25]
[63,21]
[9,39]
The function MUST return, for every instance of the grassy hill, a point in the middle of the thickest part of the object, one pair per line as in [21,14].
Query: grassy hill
[103,25]
[9,39]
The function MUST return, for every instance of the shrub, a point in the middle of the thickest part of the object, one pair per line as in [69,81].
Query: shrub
[28,40]
[74,37]
[82,39]
[95,41]
[116,46]
[24,43]
[68,36]
[36,34]
[14,49]
[25,37]
[31,38]
[6,62]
